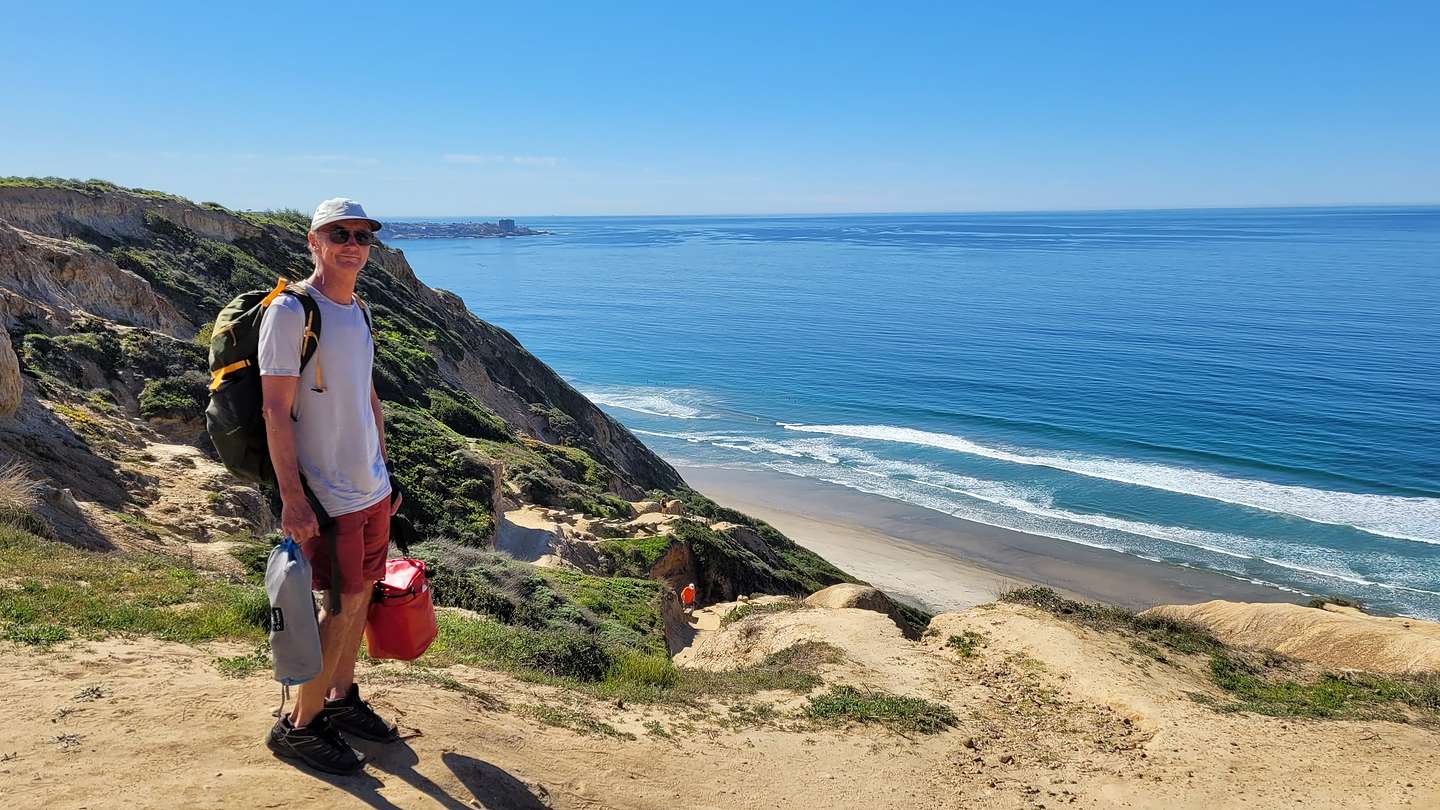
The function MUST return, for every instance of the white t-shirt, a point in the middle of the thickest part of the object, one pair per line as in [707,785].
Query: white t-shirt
[336,439]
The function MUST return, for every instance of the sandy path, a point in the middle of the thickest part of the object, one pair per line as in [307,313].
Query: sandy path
[1048,715]
[142,723]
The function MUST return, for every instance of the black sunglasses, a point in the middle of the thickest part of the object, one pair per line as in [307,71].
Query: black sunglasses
[340,236]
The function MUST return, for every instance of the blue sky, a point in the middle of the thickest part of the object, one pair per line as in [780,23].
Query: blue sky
[552,108]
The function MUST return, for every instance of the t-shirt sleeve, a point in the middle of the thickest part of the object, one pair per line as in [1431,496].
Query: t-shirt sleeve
[280,331]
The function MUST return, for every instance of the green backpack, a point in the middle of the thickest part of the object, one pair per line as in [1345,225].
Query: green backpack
[234,419]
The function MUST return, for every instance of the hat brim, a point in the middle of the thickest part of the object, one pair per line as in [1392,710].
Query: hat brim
[375,224]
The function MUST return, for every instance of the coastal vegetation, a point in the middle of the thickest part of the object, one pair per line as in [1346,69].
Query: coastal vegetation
[1254,681]
[63,592]
[848,704]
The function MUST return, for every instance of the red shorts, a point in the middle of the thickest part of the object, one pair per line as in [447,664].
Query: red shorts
[362,539]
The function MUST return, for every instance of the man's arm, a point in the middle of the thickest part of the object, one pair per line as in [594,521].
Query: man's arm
[297,519]
[396,498]
[379,420]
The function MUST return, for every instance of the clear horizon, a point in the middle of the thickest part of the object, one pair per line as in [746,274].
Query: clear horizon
[568,110]
[804,214]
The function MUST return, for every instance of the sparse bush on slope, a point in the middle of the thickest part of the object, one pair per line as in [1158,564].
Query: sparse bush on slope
[1261,682]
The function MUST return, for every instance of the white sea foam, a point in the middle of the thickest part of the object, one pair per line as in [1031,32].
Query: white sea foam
[1399,517]
[676,403]
[1030,509]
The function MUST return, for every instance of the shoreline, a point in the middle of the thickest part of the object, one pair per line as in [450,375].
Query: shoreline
[946,563]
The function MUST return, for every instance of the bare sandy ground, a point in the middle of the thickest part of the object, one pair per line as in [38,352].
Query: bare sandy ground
[1048,715]
[945,563]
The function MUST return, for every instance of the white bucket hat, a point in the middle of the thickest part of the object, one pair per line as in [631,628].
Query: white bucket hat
[338,208]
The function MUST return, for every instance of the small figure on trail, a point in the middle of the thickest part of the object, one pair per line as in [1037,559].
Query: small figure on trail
[687,598]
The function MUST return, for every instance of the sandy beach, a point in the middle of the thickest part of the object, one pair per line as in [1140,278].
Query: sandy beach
[945,563]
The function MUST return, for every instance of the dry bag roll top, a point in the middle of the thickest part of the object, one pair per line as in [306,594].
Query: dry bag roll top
[294,630]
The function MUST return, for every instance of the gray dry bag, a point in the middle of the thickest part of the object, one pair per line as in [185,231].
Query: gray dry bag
[294,631]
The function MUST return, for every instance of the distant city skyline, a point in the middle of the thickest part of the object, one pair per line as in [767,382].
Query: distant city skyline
[573,110]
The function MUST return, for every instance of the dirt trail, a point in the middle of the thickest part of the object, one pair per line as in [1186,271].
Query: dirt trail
[1048,715]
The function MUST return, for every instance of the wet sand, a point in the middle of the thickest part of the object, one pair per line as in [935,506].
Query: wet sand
[946,563]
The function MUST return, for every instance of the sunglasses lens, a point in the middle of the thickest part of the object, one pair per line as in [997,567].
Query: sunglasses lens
[363,238]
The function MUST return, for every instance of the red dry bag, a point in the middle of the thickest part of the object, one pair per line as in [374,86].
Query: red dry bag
[401,623]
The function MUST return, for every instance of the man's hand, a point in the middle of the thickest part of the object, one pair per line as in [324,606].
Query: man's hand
[297,519]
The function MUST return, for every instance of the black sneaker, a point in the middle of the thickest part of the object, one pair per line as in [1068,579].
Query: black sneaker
[354,716]
[317,745]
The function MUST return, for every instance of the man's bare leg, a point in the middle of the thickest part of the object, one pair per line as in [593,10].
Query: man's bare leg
[344,675]
[335,630]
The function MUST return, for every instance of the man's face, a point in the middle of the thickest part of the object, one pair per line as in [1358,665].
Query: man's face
[349,257]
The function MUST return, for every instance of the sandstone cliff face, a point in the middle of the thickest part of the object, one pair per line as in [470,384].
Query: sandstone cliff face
[10,385]
[112,216]
[50,280]
[164,264]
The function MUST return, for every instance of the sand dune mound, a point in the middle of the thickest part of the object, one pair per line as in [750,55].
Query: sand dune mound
[871,647]
[850,595]
[1334,636]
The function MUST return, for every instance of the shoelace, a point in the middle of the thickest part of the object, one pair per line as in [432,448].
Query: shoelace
[329,733]
[364,710]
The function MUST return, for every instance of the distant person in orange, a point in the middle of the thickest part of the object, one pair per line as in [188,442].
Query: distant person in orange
[687,598]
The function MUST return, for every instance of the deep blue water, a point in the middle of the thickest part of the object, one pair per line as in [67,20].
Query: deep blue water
[1255,392]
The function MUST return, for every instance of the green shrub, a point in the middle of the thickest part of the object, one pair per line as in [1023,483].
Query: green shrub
[203,336]
[643,670]
[1265,683]
[633,557]
[486,642]
[404,367]
[759,608]
[494,584]
[800,571]
[155,355]
[540,484]
[289,219]
[182,397]
[66,356]
[253,552]
[967,643]
[627,610]
[91,188]
[448,486]
[1265,688]
[465,415]
[1175,634]
[844,704]
[561,426]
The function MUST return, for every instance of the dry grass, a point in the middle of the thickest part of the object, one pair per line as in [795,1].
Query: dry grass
[19,497]
[17,489]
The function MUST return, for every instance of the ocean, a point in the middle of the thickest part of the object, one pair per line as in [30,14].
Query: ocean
[1255,392]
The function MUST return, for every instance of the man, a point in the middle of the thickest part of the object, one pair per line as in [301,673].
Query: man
[327,440]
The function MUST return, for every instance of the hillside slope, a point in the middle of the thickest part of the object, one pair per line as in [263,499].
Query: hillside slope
[107,296]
